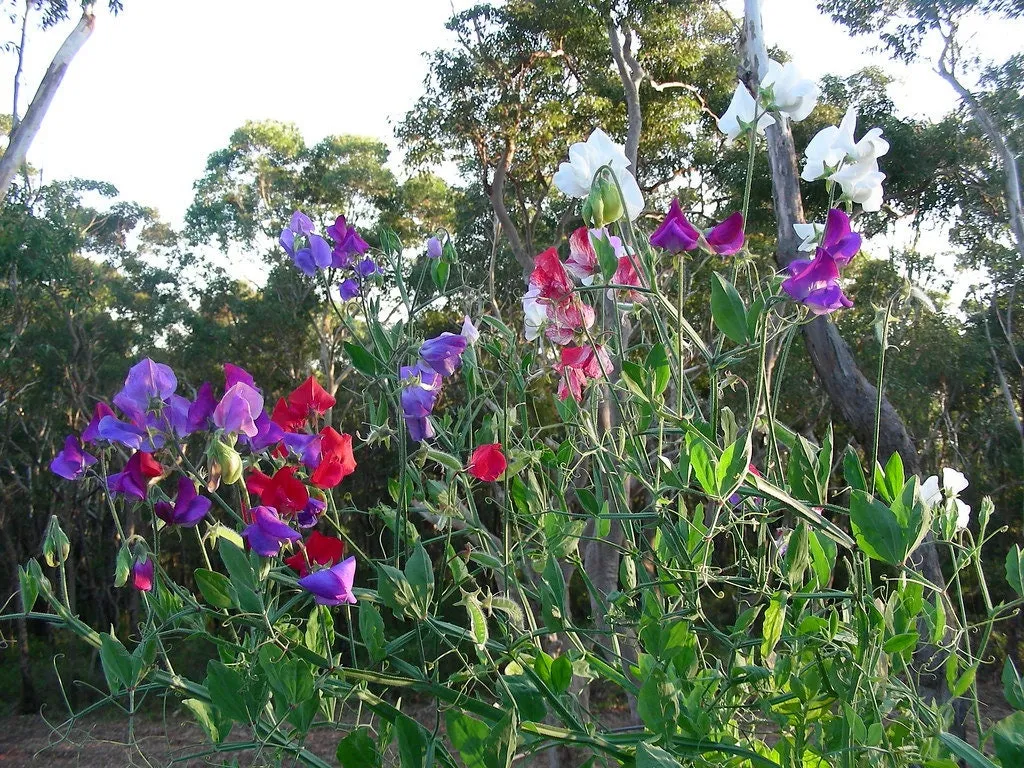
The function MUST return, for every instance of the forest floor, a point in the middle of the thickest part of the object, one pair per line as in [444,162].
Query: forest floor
[102,740]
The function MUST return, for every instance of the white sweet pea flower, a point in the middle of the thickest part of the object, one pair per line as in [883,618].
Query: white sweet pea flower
[861,183]
[871,145]
[792,95]
[740,114]
[810,234]
[469,331]
[953,482]
[535,314]
[822,153]
[575,177]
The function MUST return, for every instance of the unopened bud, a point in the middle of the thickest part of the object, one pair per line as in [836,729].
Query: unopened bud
[604,204]
[56,546]
[225,465]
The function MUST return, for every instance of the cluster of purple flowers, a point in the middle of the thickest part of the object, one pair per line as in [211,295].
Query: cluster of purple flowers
[440,357]
[348,252]
[815,282]
[676,234]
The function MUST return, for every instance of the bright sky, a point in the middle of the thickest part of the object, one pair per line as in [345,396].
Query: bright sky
[160,87]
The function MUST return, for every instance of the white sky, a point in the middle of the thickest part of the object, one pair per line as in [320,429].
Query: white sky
[160,87]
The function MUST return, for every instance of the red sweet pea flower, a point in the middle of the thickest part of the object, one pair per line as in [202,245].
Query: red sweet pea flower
[550,277]
[336,459]
[579,364]
[487,462]
[320,549]
[288,418]
[310,397]
[284,492]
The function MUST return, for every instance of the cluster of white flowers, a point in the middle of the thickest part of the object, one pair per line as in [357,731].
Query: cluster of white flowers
[782,90]
[933,494]
[853,164]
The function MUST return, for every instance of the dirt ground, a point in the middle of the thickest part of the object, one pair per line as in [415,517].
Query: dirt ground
[103,741]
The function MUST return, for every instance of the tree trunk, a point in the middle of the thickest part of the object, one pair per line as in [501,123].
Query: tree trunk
[21,138]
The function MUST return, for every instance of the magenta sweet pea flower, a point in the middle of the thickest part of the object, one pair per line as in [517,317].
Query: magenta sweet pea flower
[238,410]
[267,434]
[308,516]
[675,234]
[443,353]
[347,243]
[233,374]
[815,284]
[201,411]
[268,533]
[142,574]
[726,238]
[136,476]
[332,586]
[188,508]
[838,239]
[72,461]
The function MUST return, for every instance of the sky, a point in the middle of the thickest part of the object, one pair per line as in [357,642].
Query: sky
[162,85]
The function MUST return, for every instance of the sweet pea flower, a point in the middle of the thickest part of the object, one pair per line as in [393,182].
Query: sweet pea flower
[72,461]
[311,398]
[420,388]
[443,354]
[300,223]
[550,276]
[188,508]
[336,459]
[332,586]
[953,482]
[310,514]
[582,262]
[792,95]
[349,289]
[851,163]
[200,412]
[148,384]
[136,477]
[726,238]
[283,491]
[740,115]
[268,533]
[238,410]
[142,574]
[92,431]
[626,274]
[839,239]
[469,331]
[861,183]
[810,235]
[487,463]
[577,365]
[367,267]
[347,243]
[567,318]
[815,284]
[434,248]
[318,549]
[306,447]
[675,234]
[535,314]
[576,177]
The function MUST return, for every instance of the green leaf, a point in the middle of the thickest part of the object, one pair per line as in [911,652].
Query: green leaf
[371,630]
[894,475]
[216,588]
[357,749]
[239,697]
[561,674]
[123,565]
[732,467]
[439,270]
[419,572]
[118,667]
[238,565]
[389,242]
[853,472]
[774,621]
[363,361]
[1008,737]
[412,742]
[650,756]
[1013,685]
[798,555]
[477,620]
[700,461]
[878,532]
[965,751]
[29,589]
[727,310]
[469,736]
[900,643]
[1015,569]
[657,364]
[214,724]
[605,257]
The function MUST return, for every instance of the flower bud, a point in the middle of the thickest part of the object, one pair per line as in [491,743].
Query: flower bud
[604,204]
[225,465]
[56,546]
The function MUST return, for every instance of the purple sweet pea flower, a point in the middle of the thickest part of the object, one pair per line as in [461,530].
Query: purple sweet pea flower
[675,234]
[332,586]
[310,514]
[174,417]
[320,251]
[300,223]
[347,243]
[142,574]
[349,289]
[234,374]
[71,462]
[134,479]
[443,353]
[117,431]
[726,238]
[267,434]
[816,284]
[287,241]
[92,431]
[200,412]
[838,239]
[304,261]
[421,387]
[367,267]
[420,428]
[188,508]
[306,447]
[238,410]
[267,533]
[434,248]
[147,382]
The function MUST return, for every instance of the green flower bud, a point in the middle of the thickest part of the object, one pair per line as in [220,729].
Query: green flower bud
[225,465]
[56,546]
[604,204]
